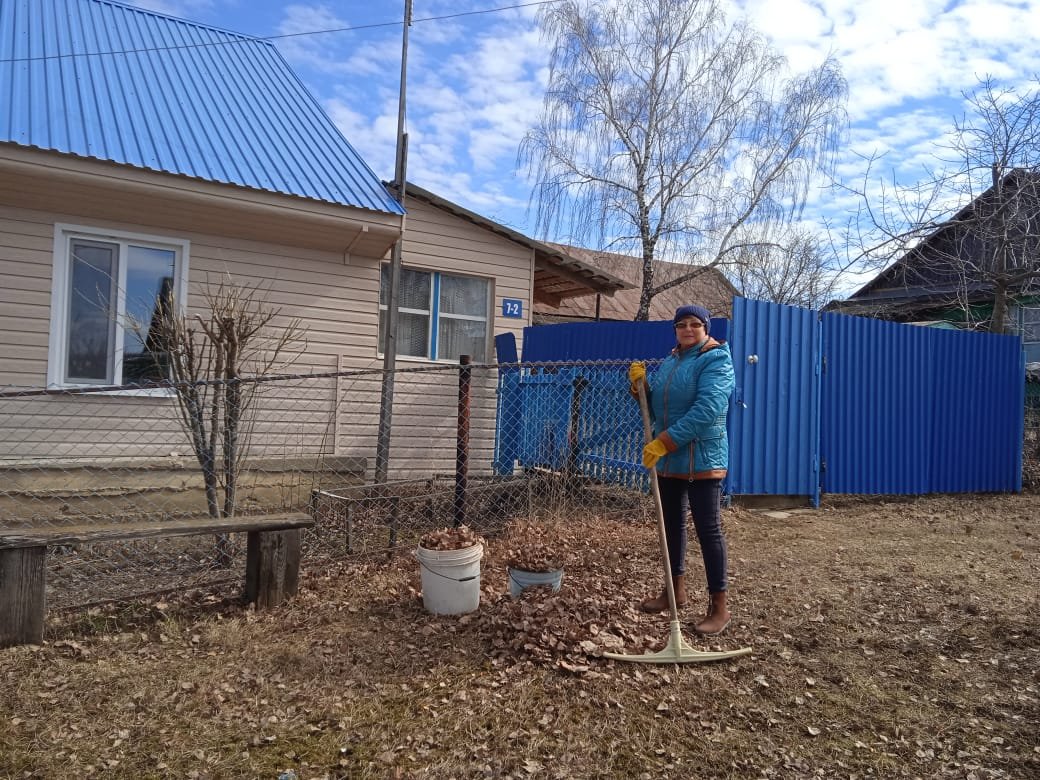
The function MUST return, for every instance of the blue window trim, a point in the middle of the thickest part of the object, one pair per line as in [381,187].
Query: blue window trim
[435,312]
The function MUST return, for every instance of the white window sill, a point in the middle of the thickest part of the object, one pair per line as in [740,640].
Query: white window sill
[84,390]
[430,362]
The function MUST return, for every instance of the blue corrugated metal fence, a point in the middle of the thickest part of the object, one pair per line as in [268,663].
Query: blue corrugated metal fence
[833,403]
[910,410]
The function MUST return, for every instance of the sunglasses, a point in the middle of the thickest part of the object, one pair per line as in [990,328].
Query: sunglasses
[691,324]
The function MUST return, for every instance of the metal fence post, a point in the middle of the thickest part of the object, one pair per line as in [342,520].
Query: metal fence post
[574,427]
[462,441]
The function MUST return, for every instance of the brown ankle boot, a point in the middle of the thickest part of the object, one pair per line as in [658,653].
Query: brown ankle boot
[660,603]
[718,617]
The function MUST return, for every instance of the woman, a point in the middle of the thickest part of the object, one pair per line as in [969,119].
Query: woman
[688,403]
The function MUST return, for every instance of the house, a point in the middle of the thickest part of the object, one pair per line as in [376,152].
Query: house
[711,289]
[139,152]
[952,275]
[486,264]
[552,275]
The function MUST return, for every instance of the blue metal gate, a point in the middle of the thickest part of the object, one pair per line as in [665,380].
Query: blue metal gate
[774,413]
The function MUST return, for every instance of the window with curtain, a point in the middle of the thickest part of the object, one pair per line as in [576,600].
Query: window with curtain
[440,316]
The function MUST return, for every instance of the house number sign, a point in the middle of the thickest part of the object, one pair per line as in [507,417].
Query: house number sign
[512,307]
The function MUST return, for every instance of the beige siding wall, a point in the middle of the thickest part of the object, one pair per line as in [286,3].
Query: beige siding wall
[334,297]
[426,395]
[25,269]
[337,299]
[438,241]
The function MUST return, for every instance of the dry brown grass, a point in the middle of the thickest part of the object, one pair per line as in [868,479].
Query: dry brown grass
[892,638]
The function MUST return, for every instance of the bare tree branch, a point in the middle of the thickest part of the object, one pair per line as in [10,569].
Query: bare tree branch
[237,335]
[968,235]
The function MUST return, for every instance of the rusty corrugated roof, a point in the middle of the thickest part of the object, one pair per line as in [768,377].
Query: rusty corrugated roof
[711,289]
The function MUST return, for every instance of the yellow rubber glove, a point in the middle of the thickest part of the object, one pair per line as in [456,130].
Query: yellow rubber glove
[653,452]
[636,374]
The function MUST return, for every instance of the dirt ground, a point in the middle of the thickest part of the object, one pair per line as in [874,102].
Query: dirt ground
[891,638]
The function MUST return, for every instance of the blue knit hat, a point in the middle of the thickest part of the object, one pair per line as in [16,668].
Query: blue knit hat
[693,310]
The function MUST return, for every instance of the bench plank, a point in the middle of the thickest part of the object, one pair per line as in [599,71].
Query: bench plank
[272,561]
[11,538]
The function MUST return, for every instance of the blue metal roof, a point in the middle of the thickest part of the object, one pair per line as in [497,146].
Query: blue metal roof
[99,79]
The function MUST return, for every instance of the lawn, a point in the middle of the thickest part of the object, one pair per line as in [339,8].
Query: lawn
[891,638]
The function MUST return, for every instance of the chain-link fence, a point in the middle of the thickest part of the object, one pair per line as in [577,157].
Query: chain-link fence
[468,444]
[1031,440]
[480,445]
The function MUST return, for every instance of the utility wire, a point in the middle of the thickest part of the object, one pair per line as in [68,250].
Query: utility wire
[250,38]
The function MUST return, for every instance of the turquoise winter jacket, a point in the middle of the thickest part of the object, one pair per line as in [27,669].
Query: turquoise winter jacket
[689,398]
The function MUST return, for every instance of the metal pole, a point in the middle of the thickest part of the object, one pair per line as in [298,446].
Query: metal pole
[462,442]
[386,398]
[573,428]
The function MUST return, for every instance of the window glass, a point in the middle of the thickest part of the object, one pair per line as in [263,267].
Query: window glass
[462,337]
[104,327]
[92,283]
[1031,322]
[149,293]
[463,295]
[414,292]
[413,311]
[460,323]
[413,333]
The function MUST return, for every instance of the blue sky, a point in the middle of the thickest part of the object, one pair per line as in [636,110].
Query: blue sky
[475,82]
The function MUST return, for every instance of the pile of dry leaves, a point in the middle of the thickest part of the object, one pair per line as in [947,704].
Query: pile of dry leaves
[589,615]
[450,538]
[530,548]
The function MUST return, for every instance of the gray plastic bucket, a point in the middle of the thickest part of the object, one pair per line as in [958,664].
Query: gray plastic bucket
[520,579]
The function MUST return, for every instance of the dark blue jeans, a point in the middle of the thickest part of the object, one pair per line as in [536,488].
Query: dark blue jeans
[704,499]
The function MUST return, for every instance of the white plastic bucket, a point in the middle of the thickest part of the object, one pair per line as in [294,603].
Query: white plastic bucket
[520,579]
[450,579]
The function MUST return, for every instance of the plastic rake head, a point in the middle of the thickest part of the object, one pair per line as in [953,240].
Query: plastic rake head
[677,651]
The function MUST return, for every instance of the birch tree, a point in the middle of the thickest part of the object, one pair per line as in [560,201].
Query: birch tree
[669,131]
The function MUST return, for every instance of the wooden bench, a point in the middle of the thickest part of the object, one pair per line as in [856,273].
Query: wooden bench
[272,561]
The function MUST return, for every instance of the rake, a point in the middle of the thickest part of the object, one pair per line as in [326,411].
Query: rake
[677,651]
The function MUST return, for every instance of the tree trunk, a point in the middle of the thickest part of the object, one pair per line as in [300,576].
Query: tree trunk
[647,293]
[999,320]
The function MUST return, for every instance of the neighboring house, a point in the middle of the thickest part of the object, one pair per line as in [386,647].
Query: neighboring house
[950,275]
[710,288]
[160,153]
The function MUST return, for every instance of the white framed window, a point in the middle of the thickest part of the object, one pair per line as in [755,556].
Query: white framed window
[108,289]
[440,316]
